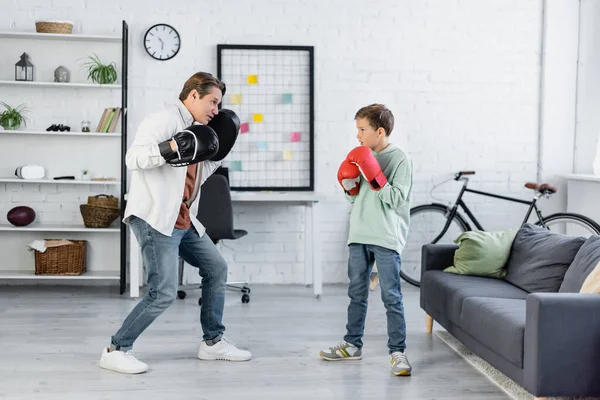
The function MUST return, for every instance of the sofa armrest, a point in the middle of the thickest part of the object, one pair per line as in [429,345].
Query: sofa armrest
[437,256]
[562,344]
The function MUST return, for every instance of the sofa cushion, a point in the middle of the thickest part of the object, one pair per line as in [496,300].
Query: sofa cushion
[446,292]
[585,261]
[539,258]
[499,324]
[482,253]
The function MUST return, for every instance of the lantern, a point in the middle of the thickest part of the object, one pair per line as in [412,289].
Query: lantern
[24,69]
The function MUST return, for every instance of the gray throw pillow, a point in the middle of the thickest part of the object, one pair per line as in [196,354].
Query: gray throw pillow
[584,263]
[539,258]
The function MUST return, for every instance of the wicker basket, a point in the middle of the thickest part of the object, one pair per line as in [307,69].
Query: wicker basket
[62,260]
[98,216]
[54,27]
[103,200]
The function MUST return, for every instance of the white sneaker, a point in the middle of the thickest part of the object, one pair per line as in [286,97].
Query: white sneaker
[121,361]
[223,350]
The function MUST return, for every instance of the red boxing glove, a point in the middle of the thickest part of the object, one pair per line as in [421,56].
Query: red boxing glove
[349,177]
[368,165]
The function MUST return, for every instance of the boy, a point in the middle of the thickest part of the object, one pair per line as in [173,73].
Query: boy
[377,180]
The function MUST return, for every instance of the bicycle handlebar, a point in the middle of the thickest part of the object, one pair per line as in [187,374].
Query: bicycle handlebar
[461,173]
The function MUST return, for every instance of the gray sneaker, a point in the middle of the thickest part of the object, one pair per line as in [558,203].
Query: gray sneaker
[400,364]
[341,351]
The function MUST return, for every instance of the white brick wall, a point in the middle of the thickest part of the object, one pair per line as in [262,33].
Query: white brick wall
[461,77]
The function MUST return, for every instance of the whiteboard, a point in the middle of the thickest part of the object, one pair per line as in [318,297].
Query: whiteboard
[271,89]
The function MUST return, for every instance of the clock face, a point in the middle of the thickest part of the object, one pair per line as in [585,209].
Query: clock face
[162,42]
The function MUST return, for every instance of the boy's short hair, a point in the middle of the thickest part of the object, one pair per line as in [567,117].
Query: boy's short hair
[203,82]
[379,116]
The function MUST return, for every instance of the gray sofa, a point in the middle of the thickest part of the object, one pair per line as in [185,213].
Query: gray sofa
[533,325]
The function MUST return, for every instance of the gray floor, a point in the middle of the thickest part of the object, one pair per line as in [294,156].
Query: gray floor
[52,338]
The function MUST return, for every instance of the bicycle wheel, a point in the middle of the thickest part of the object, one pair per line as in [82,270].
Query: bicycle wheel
[570,224]
[426,224]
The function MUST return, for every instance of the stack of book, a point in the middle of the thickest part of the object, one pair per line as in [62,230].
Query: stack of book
[108,122]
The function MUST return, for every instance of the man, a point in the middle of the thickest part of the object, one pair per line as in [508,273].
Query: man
[173,153]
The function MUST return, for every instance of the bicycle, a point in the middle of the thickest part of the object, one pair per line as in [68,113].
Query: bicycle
[454,223]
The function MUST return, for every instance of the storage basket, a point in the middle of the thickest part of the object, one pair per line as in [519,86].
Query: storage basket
[68,259]
[103,200]
[54,27]
[98,216]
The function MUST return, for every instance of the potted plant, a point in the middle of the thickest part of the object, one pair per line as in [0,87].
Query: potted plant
[12,118]
[85,175]
[100,73]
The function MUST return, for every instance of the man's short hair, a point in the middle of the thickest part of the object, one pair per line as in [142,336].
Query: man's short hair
[202,82]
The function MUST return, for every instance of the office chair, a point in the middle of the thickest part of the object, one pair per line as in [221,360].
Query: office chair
[215,212]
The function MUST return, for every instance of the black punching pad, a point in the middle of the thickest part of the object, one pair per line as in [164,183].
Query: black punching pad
[227,125]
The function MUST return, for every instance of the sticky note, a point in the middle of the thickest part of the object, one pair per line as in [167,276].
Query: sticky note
[236,166]
[286,98]
[244,128]
[257,118]
[261,145]
[287,155]
[252,79]
[236,98]
[294,136]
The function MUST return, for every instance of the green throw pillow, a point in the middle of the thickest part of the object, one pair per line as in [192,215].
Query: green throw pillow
[482,253]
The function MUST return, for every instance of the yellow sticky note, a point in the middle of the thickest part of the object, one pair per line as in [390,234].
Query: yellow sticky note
[257,117]
[236,98]
[287,155]
[252,79]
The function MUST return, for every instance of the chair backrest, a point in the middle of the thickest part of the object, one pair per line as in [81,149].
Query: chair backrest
[223,171]
[215,210]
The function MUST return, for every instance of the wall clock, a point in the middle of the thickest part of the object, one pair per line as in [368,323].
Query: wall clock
[162,42]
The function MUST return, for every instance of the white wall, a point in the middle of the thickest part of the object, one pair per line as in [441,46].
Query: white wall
[588,88]
[462,78]
[558,108]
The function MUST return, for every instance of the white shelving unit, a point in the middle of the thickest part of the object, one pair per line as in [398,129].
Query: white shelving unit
[60,85]
[58,182]
[63,133]
[64,153]
[55,228]
[60,37]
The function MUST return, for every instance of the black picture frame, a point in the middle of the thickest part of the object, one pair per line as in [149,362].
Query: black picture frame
[311,56]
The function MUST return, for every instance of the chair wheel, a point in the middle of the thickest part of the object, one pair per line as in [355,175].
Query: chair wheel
[181,294]
[200,301]
[245,298]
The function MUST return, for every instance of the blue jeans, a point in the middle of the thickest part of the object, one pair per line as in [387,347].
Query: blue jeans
[360,264]
[159,253]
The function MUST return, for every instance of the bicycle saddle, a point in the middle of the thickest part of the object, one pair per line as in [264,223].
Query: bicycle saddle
[542,187]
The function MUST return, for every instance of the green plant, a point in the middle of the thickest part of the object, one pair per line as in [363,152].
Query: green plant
[13,118]
[100,73]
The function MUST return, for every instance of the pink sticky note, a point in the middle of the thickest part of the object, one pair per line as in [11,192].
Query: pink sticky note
[244,128]
[295,136]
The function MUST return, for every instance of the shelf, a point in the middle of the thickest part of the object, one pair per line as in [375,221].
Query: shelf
[276,196]
[58,182]
[59,84]
[89,275]
[58,133]
[58,36]
[55,228]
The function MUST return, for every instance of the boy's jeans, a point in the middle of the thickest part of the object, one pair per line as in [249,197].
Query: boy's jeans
[360,264]
[159,253]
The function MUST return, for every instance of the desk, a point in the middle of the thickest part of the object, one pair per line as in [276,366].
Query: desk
[583,191]
[312,249]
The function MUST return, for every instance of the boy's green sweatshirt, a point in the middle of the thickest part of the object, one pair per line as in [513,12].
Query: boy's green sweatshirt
[382,217]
